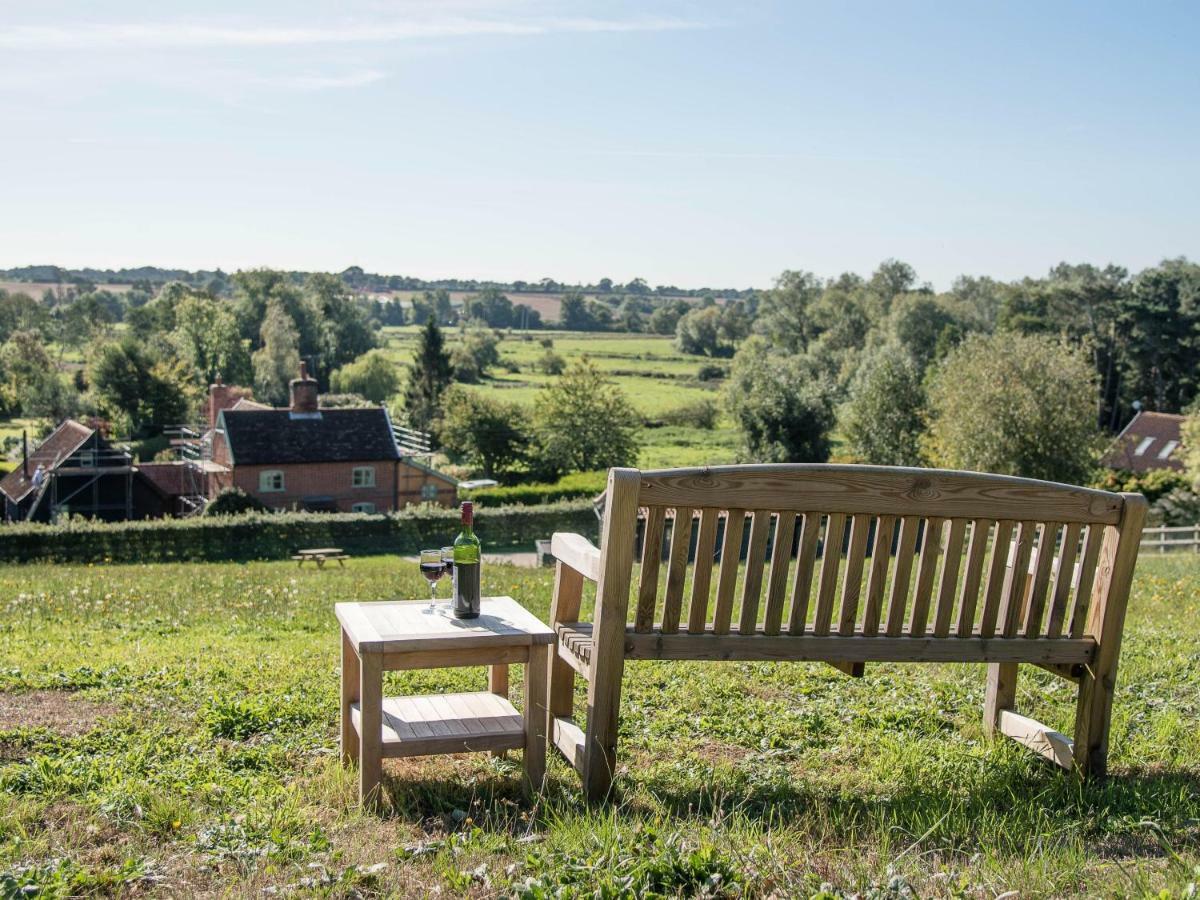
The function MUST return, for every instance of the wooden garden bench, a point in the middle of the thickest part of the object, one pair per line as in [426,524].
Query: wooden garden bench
[847,565]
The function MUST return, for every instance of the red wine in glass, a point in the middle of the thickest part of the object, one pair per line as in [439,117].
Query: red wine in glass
[433,569]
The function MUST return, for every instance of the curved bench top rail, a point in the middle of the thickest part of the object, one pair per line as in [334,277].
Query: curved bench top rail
[878,490]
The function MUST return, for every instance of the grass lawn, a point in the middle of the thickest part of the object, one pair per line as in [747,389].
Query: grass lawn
[170,730]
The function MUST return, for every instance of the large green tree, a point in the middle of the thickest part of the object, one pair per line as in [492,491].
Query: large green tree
[277,360]
[372,375]
[207,339]
[882,421]
[1015,405]
[489,435]
[139,391]
[429,376]
[781,404]
[582,422]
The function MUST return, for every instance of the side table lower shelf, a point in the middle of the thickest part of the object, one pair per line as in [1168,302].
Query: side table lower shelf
[447,723]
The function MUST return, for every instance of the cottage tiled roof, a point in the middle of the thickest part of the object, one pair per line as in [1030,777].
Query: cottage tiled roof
[1150,441]
[61,443]
[279,437]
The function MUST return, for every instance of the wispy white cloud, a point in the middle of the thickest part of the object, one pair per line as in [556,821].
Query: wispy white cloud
[324,82]
[128,36]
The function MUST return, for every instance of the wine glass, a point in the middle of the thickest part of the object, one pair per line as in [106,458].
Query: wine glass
[448,561]
[433,569]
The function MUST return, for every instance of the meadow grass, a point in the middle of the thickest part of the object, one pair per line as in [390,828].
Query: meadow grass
[656,377]
[208,763]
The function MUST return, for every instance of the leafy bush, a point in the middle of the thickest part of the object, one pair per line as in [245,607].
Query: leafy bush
[372,375]
[1152,485]
[1015,405]
[233,501]
[583,422]
[699,414]
[712,372]
[488,434]
[569,487]
[279,535]
[551,363]
[882,421]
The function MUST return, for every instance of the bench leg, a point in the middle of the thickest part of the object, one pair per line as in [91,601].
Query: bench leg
[535,716]
[1093,717]
[498,684]
[600,737]
[1001,694]
[370,763]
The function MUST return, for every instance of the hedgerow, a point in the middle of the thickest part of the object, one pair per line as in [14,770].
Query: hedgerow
[277,535]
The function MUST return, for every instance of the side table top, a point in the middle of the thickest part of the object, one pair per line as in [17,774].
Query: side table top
[399,627]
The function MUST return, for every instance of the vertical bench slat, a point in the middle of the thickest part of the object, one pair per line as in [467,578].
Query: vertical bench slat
[835,531]
[1064,573]
[702,573]
[1087,575]
[681,536]
[860,529]
[1016,580]
[1035,605]
[948,582]
[731,552]
[900,575]
[781,558]
[881,554]
[651,557]
[931,548]
[993,592]
[756,560]
[806,556]
[969,598]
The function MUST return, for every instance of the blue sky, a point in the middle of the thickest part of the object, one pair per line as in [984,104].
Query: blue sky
[684,142]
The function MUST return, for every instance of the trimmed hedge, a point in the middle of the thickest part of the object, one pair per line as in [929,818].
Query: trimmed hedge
[575,486]
[279,535]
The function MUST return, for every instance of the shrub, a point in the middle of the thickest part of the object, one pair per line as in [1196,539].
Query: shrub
[712,372]
[486,433]
[233,501]
[551,363]
[372,375]
[1015,405]
[569,487]
[278,535]
[583,422]
[1153,484]
[700,414]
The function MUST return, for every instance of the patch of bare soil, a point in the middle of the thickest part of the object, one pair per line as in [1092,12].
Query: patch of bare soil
[58,711]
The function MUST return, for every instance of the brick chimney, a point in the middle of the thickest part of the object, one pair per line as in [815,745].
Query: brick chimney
[304,393]
[220,397]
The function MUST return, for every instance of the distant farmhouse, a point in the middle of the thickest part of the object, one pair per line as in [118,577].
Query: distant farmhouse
[298,458]
[1150,441]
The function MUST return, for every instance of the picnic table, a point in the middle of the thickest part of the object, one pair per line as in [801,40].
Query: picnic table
[320,556]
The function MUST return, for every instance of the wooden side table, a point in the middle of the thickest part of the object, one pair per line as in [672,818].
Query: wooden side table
[387,636]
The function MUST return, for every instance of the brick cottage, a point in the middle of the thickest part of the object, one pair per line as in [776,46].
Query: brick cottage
[308,458]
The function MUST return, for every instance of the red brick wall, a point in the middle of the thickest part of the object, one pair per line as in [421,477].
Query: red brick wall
[335,480]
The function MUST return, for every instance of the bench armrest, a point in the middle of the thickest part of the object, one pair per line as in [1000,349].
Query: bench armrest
[578,552]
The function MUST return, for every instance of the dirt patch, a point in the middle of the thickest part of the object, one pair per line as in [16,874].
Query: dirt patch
[57,711]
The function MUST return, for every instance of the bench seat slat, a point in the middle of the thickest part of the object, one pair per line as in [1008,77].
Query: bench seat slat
[1035,604]
[901,573]
[948,580]
[1087,577]
[972,578]
[702,571]
[994,587]
[931,550]
[756,560]
[1064,572]
[860,529]
[651,558]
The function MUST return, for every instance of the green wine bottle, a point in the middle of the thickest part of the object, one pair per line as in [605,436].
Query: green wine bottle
[467,556]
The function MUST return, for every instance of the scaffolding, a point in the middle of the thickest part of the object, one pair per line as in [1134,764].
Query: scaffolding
[193,450]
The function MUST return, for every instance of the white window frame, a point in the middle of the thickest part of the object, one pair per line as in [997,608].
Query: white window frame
[367,508]
[367,474]
[429,491]
[266,480]
[1141,448]
[1168,449]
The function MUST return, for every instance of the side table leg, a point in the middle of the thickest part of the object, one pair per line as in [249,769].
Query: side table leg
[498,684]
[535,716]
[370,763]
[350,695]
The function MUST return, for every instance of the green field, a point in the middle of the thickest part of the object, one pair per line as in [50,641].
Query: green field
[655,376]
[170,730]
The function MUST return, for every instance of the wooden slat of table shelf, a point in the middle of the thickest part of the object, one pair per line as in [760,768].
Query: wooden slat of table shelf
[447,723]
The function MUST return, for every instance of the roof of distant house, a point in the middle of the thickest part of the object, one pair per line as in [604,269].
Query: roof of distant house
[1150,441]
[58,445]
[263,437]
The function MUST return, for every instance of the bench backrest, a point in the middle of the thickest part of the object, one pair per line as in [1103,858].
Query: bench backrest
[855,550]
